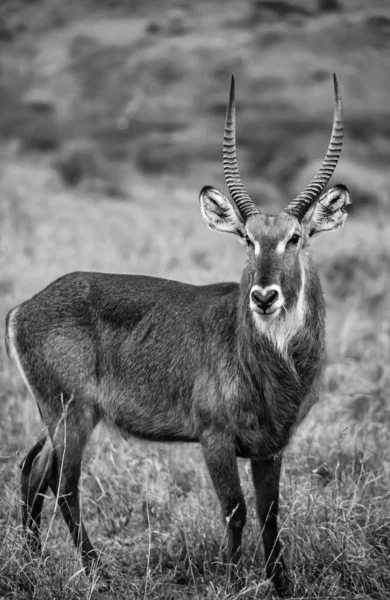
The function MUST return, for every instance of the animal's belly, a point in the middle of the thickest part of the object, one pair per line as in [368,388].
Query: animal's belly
[146,410]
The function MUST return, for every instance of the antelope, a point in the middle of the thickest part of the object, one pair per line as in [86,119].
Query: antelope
[232,366]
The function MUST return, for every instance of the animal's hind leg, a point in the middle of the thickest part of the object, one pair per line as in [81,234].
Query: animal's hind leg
[35,467]
[69,437]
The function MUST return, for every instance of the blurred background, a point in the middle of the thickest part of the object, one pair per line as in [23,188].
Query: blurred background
[111,120]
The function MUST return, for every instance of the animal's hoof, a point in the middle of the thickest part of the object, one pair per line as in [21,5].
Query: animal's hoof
[283,586]
[104,582]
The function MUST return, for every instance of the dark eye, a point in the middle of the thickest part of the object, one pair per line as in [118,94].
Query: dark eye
[294,239]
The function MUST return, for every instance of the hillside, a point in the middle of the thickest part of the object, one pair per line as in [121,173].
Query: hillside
[111,120]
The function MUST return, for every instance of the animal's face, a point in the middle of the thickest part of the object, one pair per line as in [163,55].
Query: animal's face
[275,246]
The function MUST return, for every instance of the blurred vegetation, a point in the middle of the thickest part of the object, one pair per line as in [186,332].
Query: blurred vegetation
[145,84]
[123,102]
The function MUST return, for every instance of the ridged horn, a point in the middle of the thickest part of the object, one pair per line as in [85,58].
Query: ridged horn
[306,199]
[244,203]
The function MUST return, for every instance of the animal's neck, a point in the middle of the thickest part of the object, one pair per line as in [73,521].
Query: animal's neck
[278,388]
[285,352]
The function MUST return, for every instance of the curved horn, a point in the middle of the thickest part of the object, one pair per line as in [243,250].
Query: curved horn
[304,201]
[244,203]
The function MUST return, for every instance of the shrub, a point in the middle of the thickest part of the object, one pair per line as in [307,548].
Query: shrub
[77,161]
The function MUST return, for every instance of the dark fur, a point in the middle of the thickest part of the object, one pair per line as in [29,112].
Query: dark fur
[168,361]
[164,361]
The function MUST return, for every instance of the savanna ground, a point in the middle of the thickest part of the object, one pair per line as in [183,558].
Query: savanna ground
[111,118]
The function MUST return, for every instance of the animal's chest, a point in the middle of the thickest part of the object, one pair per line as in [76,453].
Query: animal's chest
[258,436]
[273,406]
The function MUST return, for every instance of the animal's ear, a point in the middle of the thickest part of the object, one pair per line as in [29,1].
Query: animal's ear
[328,212]
[219,213]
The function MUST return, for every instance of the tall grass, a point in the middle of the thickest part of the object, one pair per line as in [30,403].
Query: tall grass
[138,102]
[151,509]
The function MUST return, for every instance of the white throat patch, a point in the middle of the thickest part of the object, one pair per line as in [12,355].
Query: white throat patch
[280,330]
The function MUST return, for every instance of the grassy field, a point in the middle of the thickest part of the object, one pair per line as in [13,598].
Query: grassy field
[112,121]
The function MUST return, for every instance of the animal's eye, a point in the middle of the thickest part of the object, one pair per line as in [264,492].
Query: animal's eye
[294,239]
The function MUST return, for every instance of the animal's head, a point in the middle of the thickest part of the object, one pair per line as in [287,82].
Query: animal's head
[276,244]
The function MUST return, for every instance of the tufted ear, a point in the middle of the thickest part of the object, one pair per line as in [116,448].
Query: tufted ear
[220,213]
[328,212]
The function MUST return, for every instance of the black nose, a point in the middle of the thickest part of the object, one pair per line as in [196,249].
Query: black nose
[264,299]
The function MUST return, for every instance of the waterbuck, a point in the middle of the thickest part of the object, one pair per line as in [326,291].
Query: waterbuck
[233,366]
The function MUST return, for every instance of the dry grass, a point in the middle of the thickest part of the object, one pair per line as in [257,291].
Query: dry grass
[151,509]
